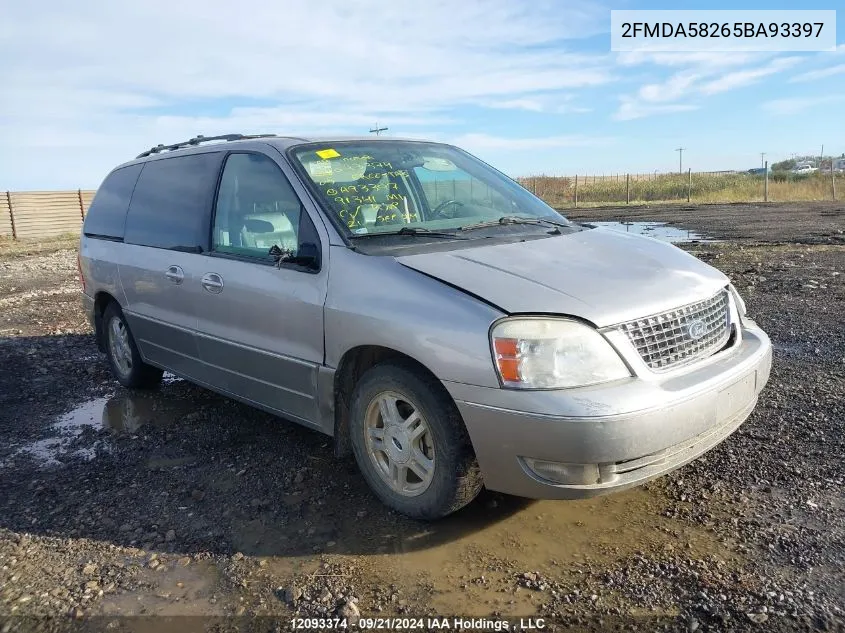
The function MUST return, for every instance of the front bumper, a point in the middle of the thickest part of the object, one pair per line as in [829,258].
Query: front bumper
[628,431]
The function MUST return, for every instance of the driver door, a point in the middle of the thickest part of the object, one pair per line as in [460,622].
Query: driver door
[260,325]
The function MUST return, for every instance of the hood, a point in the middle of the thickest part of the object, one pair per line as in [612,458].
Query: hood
[600,275]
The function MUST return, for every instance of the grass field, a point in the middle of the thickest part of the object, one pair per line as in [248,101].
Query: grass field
[34,246]
[559,191]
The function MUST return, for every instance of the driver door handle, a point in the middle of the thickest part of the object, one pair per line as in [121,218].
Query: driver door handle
[212,282]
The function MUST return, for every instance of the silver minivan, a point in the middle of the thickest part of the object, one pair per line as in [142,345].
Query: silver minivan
[440,322]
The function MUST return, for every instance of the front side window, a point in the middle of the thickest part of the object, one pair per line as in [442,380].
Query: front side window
[374,187]
[256,210]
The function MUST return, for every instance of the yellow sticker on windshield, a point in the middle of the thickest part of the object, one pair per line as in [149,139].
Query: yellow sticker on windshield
[328,153]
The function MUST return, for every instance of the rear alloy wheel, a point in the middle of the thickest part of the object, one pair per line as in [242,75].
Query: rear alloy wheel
[124,358]
[410,443]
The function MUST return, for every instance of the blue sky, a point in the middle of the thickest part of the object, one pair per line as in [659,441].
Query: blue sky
[531,87]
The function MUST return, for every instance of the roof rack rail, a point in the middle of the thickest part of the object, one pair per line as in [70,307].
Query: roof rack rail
[199,138]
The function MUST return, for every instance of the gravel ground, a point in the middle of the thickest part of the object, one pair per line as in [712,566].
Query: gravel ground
[178,502]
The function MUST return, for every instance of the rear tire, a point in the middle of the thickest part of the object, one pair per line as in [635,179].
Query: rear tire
[122,352]
[410,443]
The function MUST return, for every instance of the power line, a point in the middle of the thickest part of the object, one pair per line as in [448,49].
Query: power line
[377,130]
[680,151]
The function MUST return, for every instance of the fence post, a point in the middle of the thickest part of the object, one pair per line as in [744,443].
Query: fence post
[81,206]
[833,181]
[689,183]
[576,191]
[627,188]
[11,215]
[766,185]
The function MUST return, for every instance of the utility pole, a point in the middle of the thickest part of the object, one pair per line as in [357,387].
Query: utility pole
[377,130]
[762,156]
[821,157]
[680,151]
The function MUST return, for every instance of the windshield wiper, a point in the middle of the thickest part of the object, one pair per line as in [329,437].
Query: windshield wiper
[513,219]
[416,231]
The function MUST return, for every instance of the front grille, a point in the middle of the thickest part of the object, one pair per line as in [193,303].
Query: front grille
[681,336]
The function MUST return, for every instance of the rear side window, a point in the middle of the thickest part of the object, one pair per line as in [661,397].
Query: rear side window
[171,206]
[107,214]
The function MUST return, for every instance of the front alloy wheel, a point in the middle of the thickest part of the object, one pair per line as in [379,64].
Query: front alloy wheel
[399,444]
[410,442]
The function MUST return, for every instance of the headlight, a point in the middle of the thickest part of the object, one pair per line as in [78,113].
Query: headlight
[537,353]
[740,304]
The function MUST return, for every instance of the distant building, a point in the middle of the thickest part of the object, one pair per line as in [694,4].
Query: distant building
[839,164]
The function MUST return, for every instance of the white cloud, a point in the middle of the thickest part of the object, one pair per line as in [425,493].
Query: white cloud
[546,103]
[700,59]
[479,142]
[822,73]
[631,109]
[125,76]
[707,75]
[796,105]
[742,78]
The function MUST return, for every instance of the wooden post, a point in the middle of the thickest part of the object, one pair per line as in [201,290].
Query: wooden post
[11,215]
[689,183]
[576,191]
[766,183]
[627,188]
[832,180]
[81,206]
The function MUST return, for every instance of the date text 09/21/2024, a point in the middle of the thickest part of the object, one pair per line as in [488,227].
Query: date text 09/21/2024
[427,623]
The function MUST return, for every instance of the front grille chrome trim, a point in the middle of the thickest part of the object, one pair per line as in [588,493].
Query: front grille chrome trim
[682,336]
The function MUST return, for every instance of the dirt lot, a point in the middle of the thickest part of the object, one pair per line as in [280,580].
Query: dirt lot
[178,502]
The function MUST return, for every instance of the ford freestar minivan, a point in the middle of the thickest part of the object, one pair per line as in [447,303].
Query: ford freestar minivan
[444,325]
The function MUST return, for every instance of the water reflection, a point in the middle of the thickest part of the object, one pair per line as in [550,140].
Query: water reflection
[121,413]
[657,230]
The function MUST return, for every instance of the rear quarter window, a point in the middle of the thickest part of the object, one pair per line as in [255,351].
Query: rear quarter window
[171,206]
[107,214]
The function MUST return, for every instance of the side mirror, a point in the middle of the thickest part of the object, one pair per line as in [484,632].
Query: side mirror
[307,256]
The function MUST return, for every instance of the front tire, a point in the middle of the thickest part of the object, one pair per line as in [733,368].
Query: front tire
[410,443]
[124,359]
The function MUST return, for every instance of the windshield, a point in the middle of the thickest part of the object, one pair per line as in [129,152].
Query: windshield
[383,186]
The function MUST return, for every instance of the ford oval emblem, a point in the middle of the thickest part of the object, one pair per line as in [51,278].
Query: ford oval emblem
[696,330]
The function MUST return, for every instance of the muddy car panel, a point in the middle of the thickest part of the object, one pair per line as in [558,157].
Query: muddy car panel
[274,333]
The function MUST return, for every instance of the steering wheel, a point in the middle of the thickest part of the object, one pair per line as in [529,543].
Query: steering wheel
[438,210]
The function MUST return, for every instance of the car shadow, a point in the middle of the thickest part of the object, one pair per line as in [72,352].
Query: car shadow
[181,469]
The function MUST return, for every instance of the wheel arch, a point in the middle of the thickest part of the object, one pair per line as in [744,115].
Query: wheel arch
[102,300]
[353,364]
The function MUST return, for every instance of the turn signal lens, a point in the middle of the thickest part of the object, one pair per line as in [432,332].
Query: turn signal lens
[507,358]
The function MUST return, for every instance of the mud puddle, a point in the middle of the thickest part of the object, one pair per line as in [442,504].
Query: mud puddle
[177,591]
[657,230]
[471,562]
[124,412]
[472,559]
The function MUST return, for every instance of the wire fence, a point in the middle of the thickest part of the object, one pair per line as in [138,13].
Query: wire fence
[589,190]
[31,214]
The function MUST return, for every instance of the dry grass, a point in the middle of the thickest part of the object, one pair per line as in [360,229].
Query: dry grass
[560,191]
[16,248]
